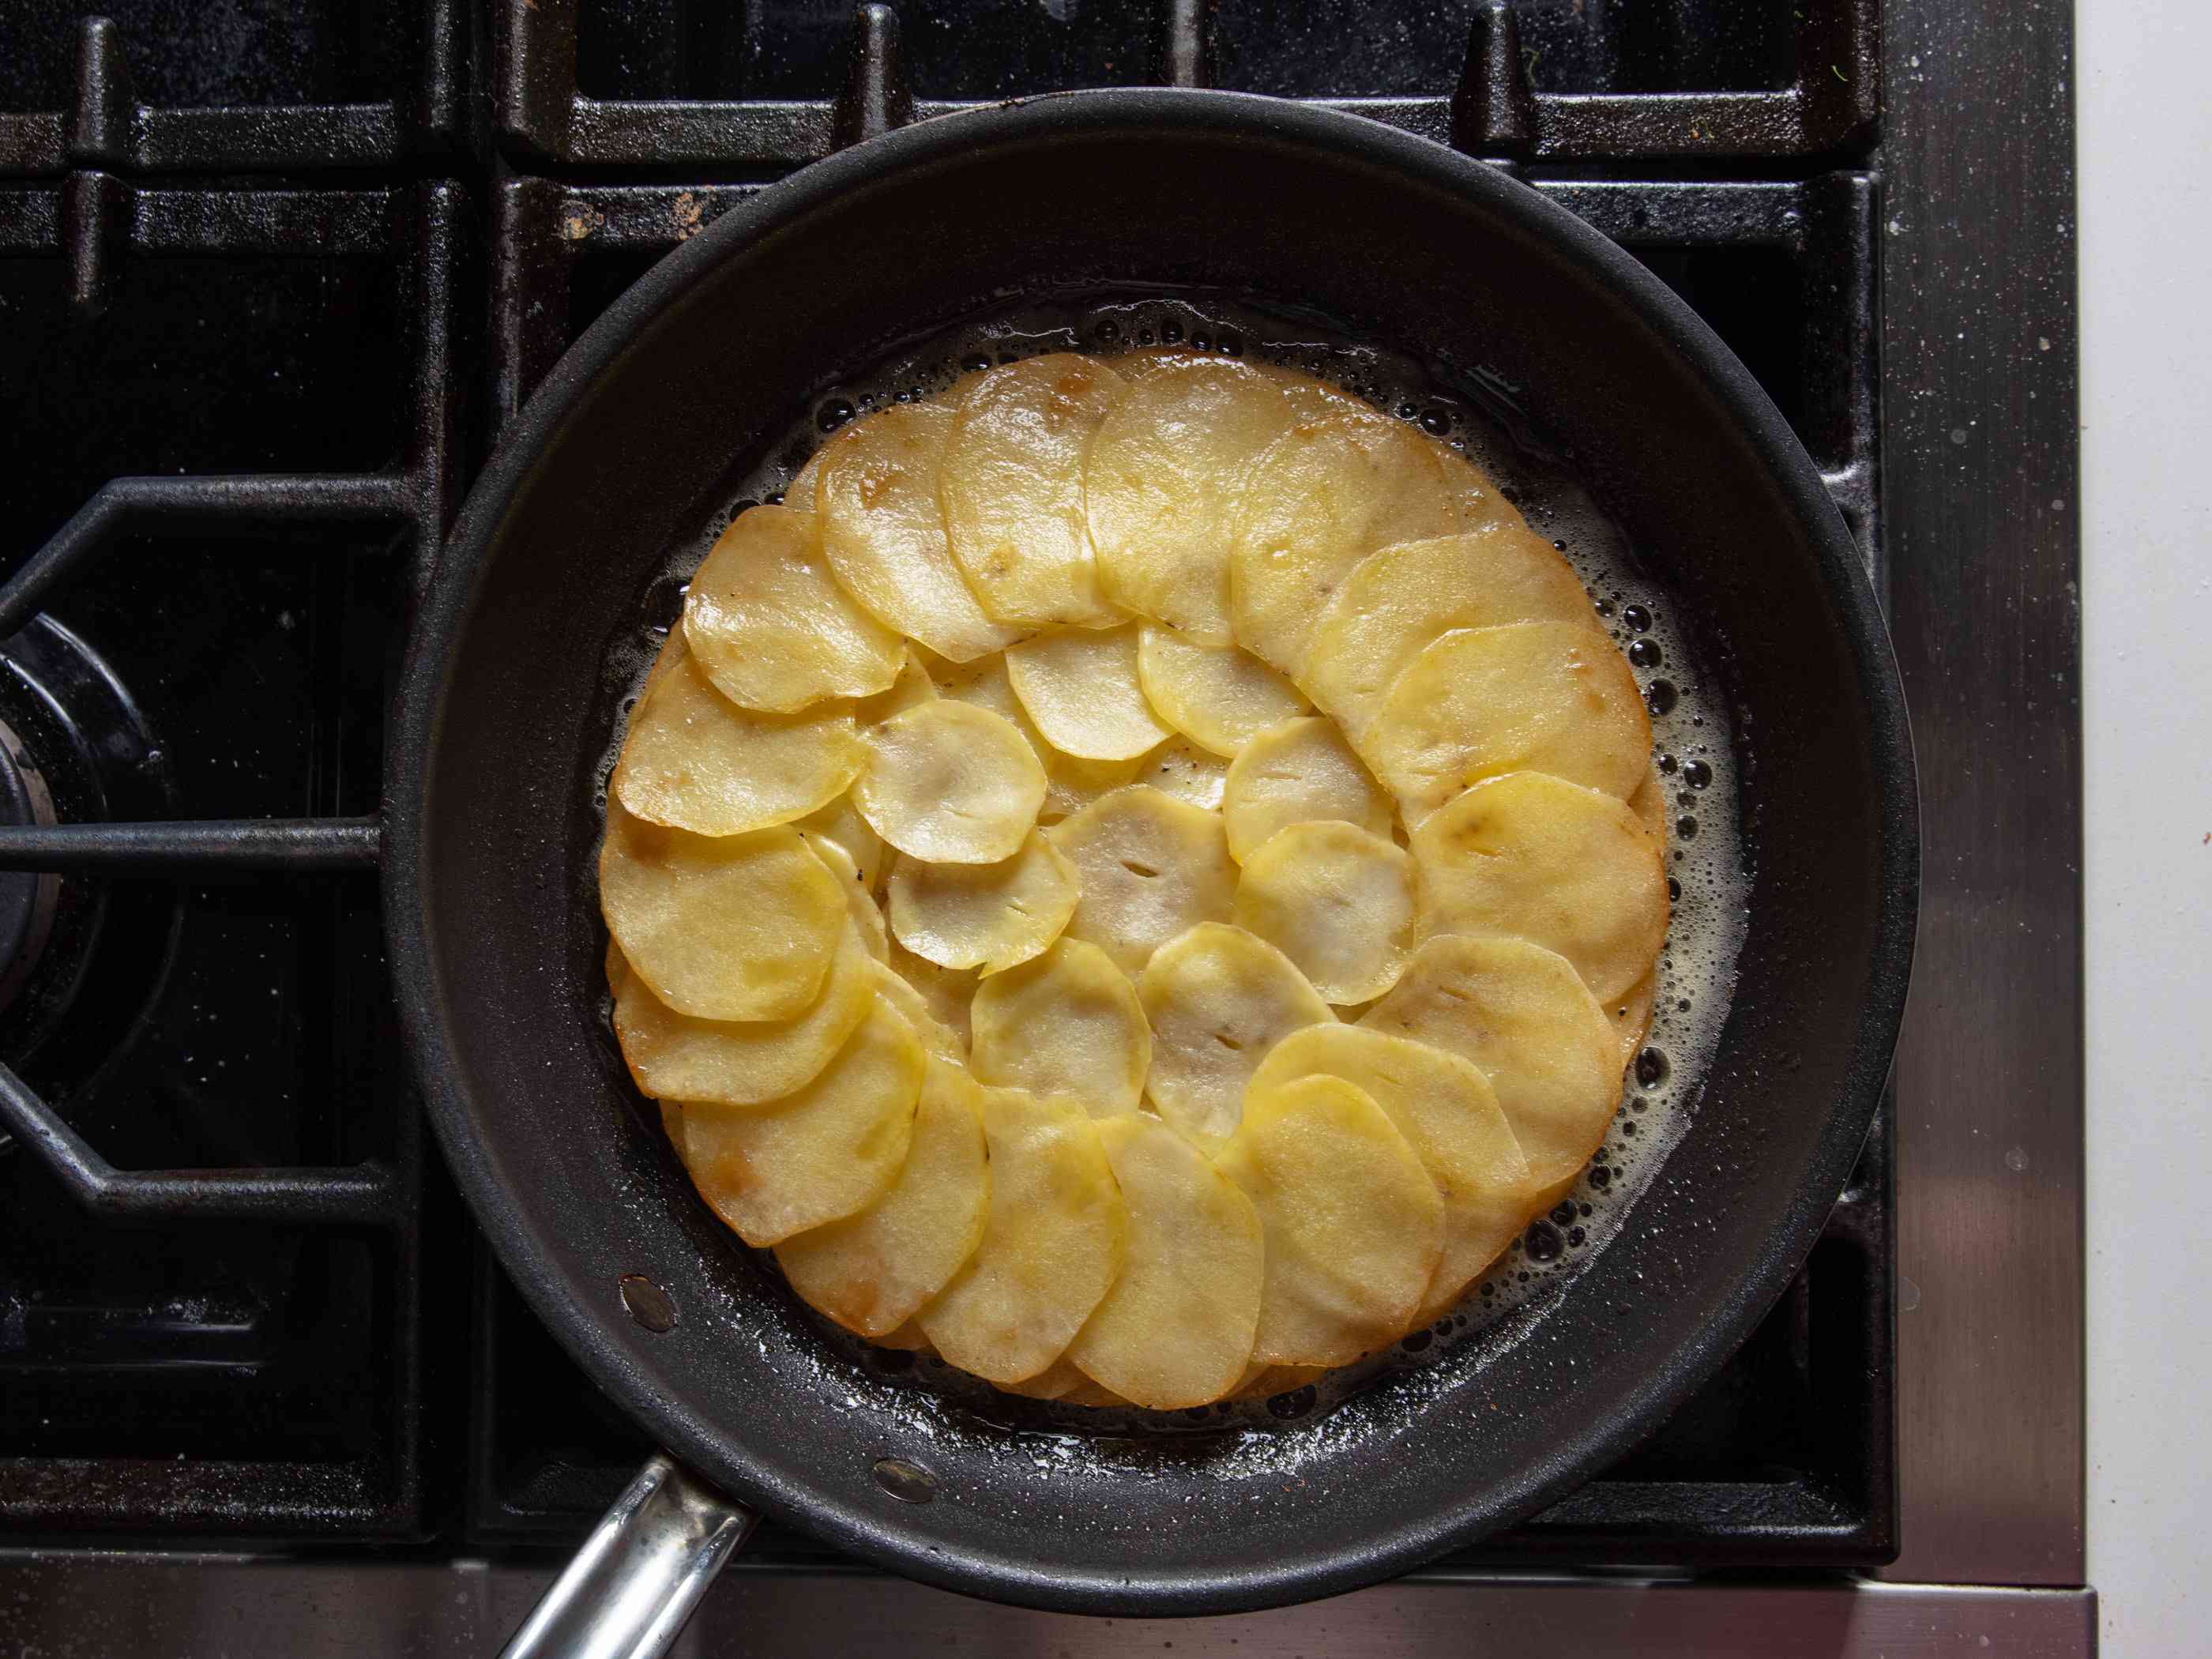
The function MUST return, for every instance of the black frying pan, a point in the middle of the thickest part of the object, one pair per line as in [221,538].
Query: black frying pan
[505,710]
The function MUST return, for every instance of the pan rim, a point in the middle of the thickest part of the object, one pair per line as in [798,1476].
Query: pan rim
[524,1249]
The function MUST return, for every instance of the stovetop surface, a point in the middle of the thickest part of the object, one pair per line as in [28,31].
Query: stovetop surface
[281,241]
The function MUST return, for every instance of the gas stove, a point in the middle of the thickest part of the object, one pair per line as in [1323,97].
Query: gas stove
[272,282]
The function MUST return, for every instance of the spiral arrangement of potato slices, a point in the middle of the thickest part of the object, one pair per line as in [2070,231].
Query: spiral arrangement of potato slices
[1140,878]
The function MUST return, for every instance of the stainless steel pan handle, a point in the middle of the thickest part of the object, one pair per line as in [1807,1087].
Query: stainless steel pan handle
[630,1589]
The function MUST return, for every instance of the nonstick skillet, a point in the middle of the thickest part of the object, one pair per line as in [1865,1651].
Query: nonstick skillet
[505,714]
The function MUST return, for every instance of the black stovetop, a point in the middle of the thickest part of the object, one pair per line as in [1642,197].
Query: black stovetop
[334,248]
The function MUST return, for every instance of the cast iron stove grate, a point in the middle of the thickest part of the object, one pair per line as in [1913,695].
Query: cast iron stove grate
[251,278]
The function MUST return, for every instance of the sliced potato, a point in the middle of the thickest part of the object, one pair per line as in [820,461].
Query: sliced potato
[1220,697]
[739,1062]
[1150,867]
[950,782]
[1338,484]
[720,926]
[1218,1000]
[873,1271]
[1051,1247]
[884,531]
[1071,784]
[1163,479]
[673,650]
[1648,802]
[860,904]
[988,916]
[1449,1114]
[695,760]
[1262,1382]
[1179,768]
[800,493]
[842,822]
[1400,598]
[1631,1014]
[1354,1226]
[1337,900]
[935,1000]
[1094,1395]
[912,685]
[1175,1330]
[829,1149]
[1534,856]
[1065,1024]
[908,1337]
[1299,772]
[1055,1381]
[770,626]
[1081,690]
[1543,697]
[1526,1019]
[1011,486]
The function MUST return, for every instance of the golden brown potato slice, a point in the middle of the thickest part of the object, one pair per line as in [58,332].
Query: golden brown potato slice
[1400,598]
[1011,485]
[1150,866]
[988,916]
[1051,1247]
[1055,1381]
[1218,1000]
[950,782]
[842,822]
[1163,479]
[1648,802]
[1175,1330]
[769,625]
[935,1000]
[1221,697]
[1450,1115]
[1179,768]
[1080,690]
[695,760]
[884,531]
[720,926]
[1526,1019]
[1071,784]
[1262,1382]
[1534,856]
[1065,1024]
[673,650]
[873,1271]
[824,1151]
[1338,901]
[1528,697]
[1299,772]
[1354,1226]
[1339,485]
[739,1062]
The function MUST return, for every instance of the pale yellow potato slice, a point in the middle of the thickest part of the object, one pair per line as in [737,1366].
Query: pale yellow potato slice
[1263,1382]
[1011,486]
[1179,768]
[1055,1381]
[1150,867]
[884,531]
[1095,1396]
[988,916]
[738,1062]
[695,760]
[1523,1016]
[770,626]
[913,685]
[1218,1000]
[1400,598]
[1449,1114]
[873,1271]
[673,650]
[935,1000]
[1631,1014]
[842,822]
[1544,696]
[1220,697]
[1071,784]
[1534,856]
[867,917]
[1340,483]
[1337,900]
[1354,1226]
[950,782]
[1081,690]
[826,1151]
[1066,1024]
[720,926]
[1163,480]
[800,494]
[1648,802]
[1299,772]
[1051,1247]
[1175,1330]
